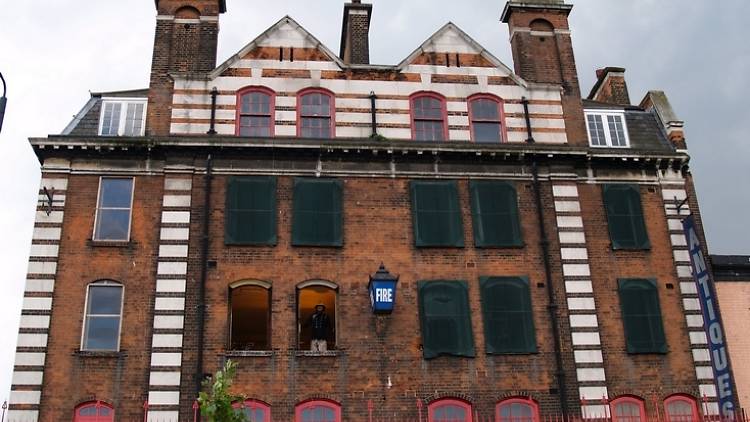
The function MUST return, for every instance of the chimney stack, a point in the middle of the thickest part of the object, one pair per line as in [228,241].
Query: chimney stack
[355,33]
[610,86]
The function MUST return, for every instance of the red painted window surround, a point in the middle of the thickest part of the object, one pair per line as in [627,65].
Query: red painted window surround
[621,414]
[443,116]
[271,115]
[501,115]
[255,408]
[318,411]
[443,410]
[94,411]
[680,408]
[331,112]
[517,409]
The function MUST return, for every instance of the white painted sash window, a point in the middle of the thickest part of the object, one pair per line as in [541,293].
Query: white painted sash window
[113,209]
[103,317]
[122,117]
[607,129]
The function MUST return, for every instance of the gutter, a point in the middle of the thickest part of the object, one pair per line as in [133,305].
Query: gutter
[204,275]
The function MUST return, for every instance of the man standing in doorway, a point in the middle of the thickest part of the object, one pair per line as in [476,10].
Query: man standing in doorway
[320,323]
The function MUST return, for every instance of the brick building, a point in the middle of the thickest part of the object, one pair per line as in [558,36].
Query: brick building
[534,232]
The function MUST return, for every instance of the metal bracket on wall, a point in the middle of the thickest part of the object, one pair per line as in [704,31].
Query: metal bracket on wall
[49,193]
[679,204]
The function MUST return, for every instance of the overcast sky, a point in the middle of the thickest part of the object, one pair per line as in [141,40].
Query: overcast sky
[55,52]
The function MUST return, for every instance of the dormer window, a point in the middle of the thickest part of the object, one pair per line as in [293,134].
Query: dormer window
[607,129]
[122,117]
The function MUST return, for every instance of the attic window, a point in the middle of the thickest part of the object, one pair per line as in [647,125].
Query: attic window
[607,129]
[122,117]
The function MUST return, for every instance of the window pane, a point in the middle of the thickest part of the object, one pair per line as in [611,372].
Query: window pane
[429,130]
[627,412]
[112,224]
[134,119]
[487,132]
[315,127]
[485,109]
[250,318]
[111,120]
[679,411]
[616,131]
[255,126]
[316,104]
[87,411]
[102,333]
[596,130]
[428,108]
[105,300]
[449,413]
[256,103]
[115,193]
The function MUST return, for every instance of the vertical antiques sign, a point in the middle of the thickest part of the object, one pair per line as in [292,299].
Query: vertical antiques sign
[711,321]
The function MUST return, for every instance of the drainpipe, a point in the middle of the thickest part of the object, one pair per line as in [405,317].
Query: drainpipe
[373,97]
[212,128]
[204,273]
[551,296]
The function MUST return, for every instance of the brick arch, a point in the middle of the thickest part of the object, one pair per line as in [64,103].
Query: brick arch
[318,282]
[447,395]
[541,25]
[514,394]
[250,282]
[187,12]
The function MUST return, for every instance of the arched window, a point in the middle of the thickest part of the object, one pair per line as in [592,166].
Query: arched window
[680,408]
[429,117]
[103,318]
[256,112]
[517,410]
[255,411]
[449,410]
[316,114]
[318,411]
[316,315]
[96,411]
[486,115]
[250,317]
[627,409]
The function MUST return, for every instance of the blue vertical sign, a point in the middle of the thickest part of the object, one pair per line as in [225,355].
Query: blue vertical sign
[711,321]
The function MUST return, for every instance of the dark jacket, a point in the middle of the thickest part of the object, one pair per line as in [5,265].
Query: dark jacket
[321,324]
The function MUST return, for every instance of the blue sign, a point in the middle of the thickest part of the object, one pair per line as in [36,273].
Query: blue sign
[711,321]
[382,296]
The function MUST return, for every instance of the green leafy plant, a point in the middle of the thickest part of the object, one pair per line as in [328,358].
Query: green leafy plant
[216,401]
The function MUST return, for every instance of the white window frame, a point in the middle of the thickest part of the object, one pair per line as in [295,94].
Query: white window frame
[97,208]
[602,115]
[104,283]
[123,114]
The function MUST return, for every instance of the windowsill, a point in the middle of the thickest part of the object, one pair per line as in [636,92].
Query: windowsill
[621,249]
[110,243]
[248,353]
[99,354]
[309,353]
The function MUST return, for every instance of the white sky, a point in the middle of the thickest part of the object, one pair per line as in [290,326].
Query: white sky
[55,52]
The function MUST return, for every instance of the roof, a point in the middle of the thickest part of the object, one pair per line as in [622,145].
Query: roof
[731,267]
[86,121]
[644,130]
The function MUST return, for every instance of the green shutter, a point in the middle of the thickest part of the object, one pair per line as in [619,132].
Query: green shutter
[317,216]
[494,210]
[250,213]
[436,214]
[641,316]
[445,318]
[508,316]
[627,228]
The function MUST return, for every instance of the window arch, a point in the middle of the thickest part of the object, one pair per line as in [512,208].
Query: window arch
[316,330]
[102,316]
[627,409]
[541,25]
[449,410]
[250,315]
[187,12]
[517,409]
[318,411]
[94,411]
[256,112]
[680,408]
[487,119]
[254,410]
[316,114]
[429,117]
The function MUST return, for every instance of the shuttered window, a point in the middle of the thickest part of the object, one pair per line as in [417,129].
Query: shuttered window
[627,229]
[508,316]
[436,214]
[445,319]
[494,210]
[641,316]
[317,219]
[251,211]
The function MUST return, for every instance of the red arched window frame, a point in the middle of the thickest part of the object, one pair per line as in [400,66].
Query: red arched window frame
[252,408]
[306,411]
[432,115]
[302,115]
[94,411]
[436,408]
[271,115]
[627,400]
[512,404]
[691,409]
[500,120]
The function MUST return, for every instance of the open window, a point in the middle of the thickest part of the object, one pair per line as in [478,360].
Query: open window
[250,316]
[627,409]
[681,408]
[103,318]
[97,411]
[449,410]
[314,328]
[519,409]
[318,411]
[254,411]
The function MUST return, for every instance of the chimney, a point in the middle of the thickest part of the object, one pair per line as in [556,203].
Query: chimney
[185,42]
[610,86]
[658,103]
[355,33]
[543,53]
